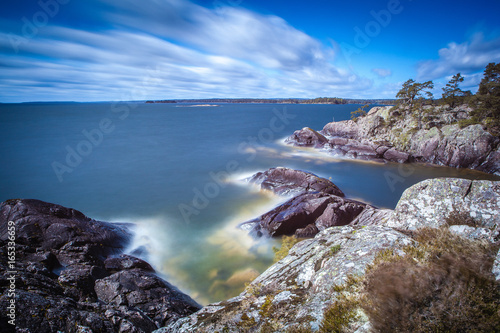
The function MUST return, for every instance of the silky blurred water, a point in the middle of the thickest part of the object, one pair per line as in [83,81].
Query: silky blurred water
[166,167]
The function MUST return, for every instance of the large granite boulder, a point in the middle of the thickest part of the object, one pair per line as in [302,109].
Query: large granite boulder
[342,129]
[307,137]
[285,181]
[65,262]
[434,202]
[297,289]
[318,209]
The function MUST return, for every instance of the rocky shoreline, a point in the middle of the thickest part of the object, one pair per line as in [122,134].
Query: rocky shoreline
[384,135]
[72,276]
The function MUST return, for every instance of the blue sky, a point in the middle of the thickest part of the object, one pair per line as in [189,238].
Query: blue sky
[103,50]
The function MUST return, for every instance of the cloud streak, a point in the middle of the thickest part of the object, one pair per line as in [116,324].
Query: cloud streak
[467,58]
[195,52]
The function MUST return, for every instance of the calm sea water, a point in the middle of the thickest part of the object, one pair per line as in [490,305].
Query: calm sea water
[172,169]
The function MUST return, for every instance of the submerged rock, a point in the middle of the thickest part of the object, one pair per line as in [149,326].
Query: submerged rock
[285,181]
[68,280]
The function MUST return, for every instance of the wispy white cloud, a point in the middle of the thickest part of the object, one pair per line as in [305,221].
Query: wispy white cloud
[468,57]
[382,72]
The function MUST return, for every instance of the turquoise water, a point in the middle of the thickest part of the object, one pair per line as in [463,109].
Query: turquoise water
[171,169]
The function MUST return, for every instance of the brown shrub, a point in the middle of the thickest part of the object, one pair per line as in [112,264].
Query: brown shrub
[444,284]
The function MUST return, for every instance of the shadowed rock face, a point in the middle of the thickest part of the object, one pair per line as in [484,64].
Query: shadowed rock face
[69,280]
[284,181]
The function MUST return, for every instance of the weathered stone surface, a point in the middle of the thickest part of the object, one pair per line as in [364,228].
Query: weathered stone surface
[299,287]
[475,233]
[61,256]
[339,212]
[125,261]
[469,147]
[50,227]
[343,129]
[307,137]
[431,202]
[372,216]
[285,181]
[394,155]
[135,288]
[322,209]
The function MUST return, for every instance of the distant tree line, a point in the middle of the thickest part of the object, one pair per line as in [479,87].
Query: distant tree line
[319,100]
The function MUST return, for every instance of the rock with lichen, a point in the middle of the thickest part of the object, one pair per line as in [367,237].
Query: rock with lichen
[434,202]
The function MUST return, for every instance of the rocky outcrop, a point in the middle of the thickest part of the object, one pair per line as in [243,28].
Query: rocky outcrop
[285,181]
[496,267]
[69,278]
[319,204]
[384,135]
[312,211]
[297,290]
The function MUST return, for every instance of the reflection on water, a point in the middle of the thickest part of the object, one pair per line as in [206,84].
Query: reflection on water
[218,265]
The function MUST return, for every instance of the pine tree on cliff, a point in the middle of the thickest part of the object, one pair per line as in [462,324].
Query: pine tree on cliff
[452,94]
[413,92]
[487,98]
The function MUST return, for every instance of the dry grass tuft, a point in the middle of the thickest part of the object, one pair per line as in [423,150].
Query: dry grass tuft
[443,284]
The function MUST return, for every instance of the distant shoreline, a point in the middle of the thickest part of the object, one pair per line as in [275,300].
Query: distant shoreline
[197,105]
[321,100]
